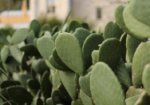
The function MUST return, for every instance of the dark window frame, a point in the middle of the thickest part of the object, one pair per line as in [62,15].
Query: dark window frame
[98,13]
[52,9]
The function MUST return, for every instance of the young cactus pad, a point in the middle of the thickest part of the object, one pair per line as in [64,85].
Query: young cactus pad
[19,36]
[110,52]
[105,88]
[112,30]
[35,26]
[84,82]
[140,59]
[119,17]
[4,53]
[69,81]
[69,50]
[146,78]
[132,100]
[131,44]
[16,53]
[81,34]
[86,100]
[57,63]
[45,46]
[91,43]
[136,18]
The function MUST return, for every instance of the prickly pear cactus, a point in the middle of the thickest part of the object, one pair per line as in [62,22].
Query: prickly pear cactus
[86,100]
[65,44]
[145,78]
[131,44]
[110,52]
[103,81]
[19,36]
[35,26]
[119,17]
[140,60]
[5,53]
[57,63]
[91,43]
[74,64]
[112,30]
[84,82]
[132,100]
[45,46]
[81,34]
[135,14]
[69,81]
[12,93]
[144,99]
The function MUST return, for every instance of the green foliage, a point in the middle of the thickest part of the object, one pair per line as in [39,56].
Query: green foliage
[51,63]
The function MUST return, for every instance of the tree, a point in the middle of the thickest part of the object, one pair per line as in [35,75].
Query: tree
[11,4]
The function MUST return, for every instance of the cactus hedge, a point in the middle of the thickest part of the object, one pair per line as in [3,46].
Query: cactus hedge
[76,65]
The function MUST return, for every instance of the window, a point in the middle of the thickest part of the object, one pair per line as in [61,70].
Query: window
[98,13]
[51,9]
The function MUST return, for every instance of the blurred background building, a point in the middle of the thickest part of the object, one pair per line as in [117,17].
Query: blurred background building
[98,12]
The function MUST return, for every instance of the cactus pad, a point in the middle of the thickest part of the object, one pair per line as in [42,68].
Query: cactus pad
[68,49]
[140,59]
[103,81]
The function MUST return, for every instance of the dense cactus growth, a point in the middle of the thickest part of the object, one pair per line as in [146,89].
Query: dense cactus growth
[75,65]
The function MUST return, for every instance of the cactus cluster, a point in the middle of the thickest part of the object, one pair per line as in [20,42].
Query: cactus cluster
[74,65]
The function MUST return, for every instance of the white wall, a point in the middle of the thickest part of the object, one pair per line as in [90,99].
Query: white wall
[43,5]
[33,9]
[62,8]
[108,9]
[38,8]
[86,9]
